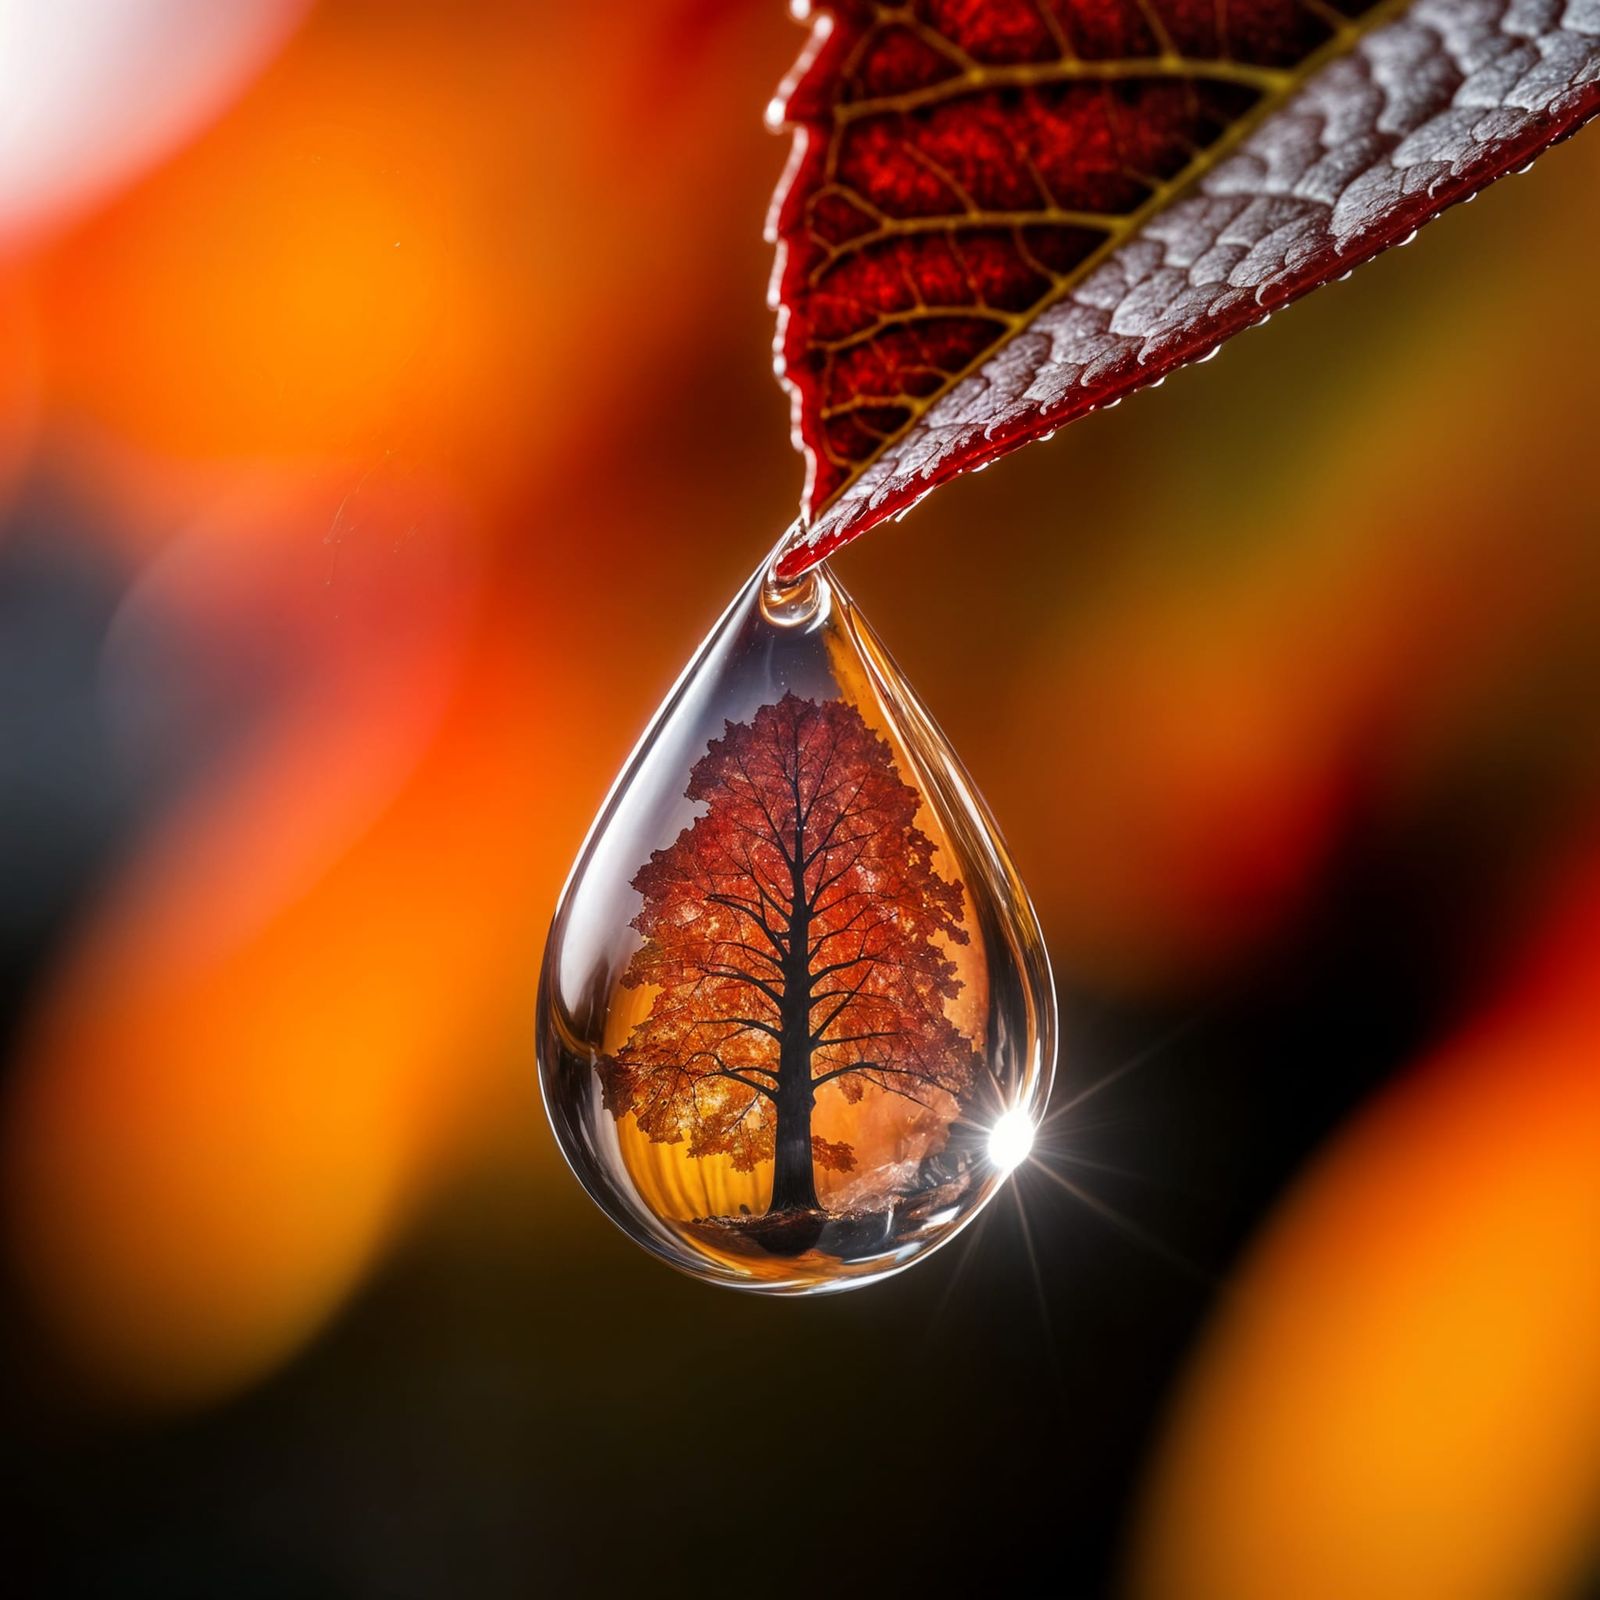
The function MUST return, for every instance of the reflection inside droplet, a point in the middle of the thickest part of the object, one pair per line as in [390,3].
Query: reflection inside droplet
[794,991]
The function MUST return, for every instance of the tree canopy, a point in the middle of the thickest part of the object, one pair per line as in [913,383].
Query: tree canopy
[798,936]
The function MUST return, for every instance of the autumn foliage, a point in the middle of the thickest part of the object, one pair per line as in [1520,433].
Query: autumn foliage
[1000,216]
[797,936]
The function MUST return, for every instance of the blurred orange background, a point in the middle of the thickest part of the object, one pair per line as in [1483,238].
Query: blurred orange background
[387,411]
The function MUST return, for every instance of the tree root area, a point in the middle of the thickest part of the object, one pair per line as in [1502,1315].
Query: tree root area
[851,1234]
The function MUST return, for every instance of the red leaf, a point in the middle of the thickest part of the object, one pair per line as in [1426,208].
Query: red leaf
[1002,214]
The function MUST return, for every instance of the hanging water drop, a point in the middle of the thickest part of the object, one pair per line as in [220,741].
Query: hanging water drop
[796,1022]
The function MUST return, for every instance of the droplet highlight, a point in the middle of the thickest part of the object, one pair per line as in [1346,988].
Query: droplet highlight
[796,1021]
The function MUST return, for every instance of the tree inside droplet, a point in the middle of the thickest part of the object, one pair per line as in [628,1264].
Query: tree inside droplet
[797,943]
[794,978]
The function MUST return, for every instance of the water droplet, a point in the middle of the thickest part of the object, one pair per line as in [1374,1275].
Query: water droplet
[1210,355]
[796,1015]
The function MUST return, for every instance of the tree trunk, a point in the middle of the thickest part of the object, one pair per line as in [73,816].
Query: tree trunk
[794,1186]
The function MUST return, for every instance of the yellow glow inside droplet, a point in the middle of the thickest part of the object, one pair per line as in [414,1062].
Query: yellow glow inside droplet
[1010,1140]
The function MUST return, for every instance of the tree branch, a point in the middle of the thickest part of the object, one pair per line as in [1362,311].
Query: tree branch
[746,1022]
[723,1070]
[739,1077]
[877,1066]
[733,903]
[737,975]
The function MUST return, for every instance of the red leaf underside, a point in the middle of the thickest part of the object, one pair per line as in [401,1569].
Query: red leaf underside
[1003,214]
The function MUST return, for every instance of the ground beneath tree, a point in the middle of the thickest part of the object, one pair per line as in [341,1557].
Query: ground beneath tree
[849,1233]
